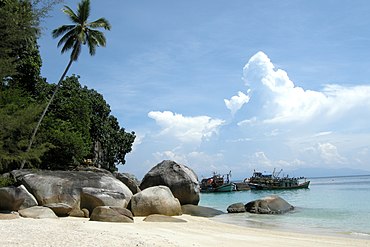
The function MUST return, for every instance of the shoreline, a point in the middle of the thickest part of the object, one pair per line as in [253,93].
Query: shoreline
[197,231]
[291,229]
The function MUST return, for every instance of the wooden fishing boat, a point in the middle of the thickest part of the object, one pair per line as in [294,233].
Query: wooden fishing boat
[265,181]
[217,183]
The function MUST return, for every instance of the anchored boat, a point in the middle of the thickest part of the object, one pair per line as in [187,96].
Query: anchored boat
[217,183]
[266,181]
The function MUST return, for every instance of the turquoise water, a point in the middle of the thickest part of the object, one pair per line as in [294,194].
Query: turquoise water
[335,205]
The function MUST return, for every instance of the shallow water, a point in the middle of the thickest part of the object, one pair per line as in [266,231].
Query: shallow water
[333,205]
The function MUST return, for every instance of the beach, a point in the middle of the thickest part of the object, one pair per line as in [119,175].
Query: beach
[197,231]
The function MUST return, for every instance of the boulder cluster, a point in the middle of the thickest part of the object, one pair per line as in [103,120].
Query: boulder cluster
[168,189]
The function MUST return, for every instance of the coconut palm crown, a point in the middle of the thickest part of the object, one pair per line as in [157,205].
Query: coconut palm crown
[81,32]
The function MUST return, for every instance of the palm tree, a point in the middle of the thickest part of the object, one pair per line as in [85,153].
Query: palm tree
[81,32]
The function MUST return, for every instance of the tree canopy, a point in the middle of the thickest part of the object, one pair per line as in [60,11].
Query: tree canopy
[77,129]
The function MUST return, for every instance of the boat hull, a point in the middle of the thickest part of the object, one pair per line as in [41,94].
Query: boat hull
[256,186]
[223,188]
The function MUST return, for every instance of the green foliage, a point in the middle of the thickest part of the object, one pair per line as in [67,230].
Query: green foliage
[115,143]
[80,127]
[72,104]
[6,181]
[18,116]
[20,61]
[18,34]
[28,67]
[67,127]
[110,142]
[69,146]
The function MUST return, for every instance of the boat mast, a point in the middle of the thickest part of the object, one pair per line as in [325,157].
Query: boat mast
[278,173]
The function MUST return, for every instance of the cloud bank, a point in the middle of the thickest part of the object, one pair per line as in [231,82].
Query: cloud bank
[186,129]
[284,102]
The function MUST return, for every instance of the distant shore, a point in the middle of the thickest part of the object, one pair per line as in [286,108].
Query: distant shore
[197,231]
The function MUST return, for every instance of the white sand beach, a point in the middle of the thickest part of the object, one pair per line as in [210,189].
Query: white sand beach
[197,231]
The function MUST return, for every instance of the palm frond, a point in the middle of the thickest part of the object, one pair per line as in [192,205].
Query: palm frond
[98,37]
[61,30]
[67,36]
[101,22]
[71,14]
[83,10]
[91,43]
[68,44]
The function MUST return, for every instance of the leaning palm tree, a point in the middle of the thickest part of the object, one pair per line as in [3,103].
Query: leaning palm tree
[81,32]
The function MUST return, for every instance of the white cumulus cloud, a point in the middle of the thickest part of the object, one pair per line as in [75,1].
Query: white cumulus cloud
[283,101]
[236,102]
[262,160]
[186,129]
[329,153]
[171,155]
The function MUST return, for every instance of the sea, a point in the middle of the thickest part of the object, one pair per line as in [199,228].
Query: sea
[331,206]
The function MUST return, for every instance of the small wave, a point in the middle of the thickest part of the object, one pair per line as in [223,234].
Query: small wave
[360,234]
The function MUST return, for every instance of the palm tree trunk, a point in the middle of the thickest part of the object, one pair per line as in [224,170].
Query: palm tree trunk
[45,110]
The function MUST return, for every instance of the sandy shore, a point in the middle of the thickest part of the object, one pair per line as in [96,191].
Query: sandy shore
[196,231]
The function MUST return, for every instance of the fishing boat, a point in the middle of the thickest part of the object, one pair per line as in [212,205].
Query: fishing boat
[217,183]
[272,181]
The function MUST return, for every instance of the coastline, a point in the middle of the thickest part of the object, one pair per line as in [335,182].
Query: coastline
[197,231]
[288,228]
[331,206]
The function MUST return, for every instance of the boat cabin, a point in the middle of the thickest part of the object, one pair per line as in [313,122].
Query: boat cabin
[261,175]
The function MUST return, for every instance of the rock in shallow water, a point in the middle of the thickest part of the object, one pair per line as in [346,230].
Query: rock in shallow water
[269,205]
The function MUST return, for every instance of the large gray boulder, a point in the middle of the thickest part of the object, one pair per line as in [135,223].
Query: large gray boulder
[269,205]
[55,187]
[112,214]
[15,198]
[94,197]
[155,200]
[37,212]
[181,180]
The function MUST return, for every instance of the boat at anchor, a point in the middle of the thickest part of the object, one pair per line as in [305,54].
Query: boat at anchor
[272,181]
[217,183]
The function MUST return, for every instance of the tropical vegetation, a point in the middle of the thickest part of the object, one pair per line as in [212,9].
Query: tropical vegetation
[72,124]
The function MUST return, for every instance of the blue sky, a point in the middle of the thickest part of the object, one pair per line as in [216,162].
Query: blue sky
[231,85]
